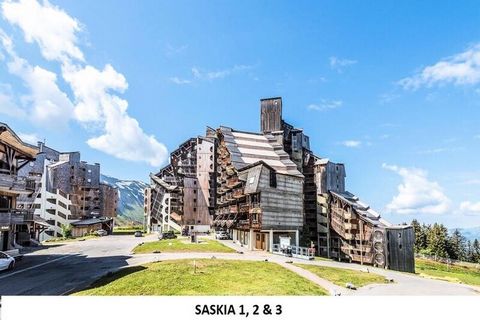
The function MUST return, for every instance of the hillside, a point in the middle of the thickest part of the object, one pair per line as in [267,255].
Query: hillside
[130,196]
[469,233]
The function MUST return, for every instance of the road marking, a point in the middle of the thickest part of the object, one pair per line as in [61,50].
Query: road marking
[34,267]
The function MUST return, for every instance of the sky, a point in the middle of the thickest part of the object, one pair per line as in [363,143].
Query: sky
[391,89]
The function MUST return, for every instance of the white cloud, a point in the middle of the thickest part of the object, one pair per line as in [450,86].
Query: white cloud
[417,194]
[95,91]
[440,150]
[91,88]
[212,75]
[460,69]
[325,105]
[48,105]
[47,25]
[177,80]
[31,138]
[352,143]
[339,64]
[7,103]
[470,208]
[125,139]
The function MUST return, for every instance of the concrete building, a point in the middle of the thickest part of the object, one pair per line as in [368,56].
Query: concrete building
[67,190]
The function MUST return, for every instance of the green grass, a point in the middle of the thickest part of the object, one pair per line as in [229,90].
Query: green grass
[341,277]
[127,230]
[467,274]
[182,245]
[212,277]
[56,240]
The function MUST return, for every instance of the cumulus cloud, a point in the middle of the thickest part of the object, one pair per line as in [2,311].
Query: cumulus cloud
[352,143]
[49,106]
[31,138]
[95,91]
[8,106]
[339,64]
[91,88]
[47,25]
[325,105]
[470,208]
[460,69]
[416,193]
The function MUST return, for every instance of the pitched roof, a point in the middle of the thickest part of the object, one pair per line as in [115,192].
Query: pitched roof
[247,148]
[364,211]
[9,137]
[88,222]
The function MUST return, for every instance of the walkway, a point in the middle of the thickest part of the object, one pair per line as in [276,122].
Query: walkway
[403,283]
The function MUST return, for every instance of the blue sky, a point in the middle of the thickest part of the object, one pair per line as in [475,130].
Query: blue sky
[390,89]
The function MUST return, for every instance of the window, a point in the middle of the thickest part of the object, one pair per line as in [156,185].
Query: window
[273,179]
[399,235]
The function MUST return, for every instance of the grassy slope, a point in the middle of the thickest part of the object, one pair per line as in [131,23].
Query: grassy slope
[182,245]
[453,273]
[212,277]
[343,276]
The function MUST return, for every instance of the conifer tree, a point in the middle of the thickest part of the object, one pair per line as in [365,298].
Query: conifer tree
[437,240]
[456,246]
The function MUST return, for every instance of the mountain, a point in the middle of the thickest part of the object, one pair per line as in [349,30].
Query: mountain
[469,233]
[130,199]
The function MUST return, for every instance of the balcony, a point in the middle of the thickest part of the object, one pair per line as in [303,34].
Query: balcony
[16,184]
[238,193]
[12,216]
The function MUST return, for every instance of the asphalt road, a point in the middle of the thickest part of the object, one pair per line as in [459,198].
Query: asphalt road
[59,269]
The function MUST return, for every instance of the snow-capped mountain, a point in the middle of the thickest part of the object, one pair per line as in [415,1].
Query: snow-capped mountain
[130,199]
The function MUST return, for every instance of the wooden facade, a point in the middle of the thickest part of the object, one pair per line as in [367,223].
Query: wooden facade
[189,184]
[15,225]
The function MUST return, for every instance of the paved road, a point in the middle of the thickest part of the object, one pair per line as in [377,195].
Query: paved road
[60,269]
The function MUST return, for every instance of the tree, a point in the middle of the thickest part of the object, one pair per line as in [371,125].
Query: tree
[420,236]
[67,230]
[469,251]
[437,240]
[456,246]
[476,251]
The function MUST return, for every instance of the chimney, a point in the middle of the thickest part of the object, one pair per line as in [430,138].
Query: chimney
[271,114]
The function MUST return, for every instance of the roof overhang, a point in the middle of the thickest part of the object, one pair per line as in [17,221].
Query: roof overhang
[10,138]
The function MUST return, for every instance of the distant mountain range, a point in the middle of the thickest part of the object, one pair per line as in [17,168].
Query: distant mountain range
[130,199]
[469,233]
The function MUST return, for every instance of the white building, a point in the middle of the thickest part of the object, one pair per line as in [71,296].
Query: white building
[53,208]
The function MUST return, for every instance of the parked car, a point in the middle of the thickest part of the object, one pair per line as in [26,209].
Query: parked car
[168,235]
[138,234]
[101,233]
[6,262]
[222,235]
